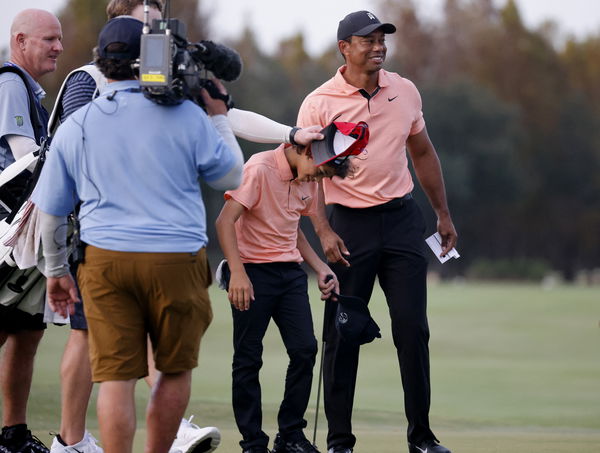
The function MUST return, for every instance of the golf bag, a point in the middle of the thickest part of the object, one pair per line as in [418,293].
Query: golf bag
[22,288]
[16,182]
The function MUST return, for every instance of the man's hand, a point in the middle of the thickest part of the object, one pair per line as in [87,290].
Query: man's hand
[448,233]
[214,106]
[334,248]
[307,135]
[62,294]
[241,292]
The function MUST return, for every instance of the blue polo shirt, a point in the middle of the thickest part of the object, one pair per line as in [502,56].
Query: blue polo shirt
[134,165]
[14,111]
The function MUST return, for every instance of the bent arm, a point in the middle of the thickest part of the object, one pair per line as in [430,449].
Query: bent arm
[54,243]
[318,266]
[60,286]
[333,246]
[233,178]
[429,173]
[240,291]
[255,127]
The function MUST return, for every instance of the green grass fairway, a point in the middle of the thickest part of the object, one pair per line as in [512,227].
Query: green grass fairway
[515,368]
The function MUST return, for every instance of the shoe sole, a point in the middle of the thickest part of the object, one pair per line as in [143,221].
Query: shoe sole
[206,444]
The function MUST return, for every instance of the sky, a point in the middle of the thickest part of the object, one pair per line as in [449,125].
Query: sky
[273,20]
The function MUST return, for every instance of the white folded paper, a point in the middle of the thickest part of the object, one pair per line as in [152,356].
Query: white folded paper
[435,244]
[52,317]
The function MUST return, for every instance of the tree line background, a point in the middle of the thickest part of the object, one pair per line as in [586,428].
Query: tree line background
[514,114]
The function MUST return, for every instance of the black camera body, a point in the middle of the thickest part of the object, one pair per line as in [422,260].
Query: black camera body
[171,68]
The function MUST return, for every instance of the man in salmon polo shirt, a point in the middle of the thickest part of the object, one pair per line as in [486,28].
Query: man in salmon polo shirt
[375,228]
[259,234]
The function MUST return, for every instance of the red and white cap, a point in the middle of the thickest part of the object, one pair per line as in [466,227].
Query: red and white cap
[341,141]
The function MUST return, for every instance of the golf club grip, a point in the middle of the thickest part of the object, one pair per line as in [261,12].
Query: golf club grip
[328,311]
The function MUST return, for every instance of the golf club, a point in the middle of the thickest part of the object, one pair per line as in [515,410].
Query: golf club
[328,278]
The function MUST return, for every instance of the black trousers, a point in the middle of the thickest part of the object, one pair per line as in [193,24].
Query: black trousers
[280,291]
[386,242]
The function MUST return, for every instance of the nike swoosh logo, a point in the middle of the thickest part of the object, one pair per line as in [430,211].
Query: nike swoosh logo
[390,100]
[420,449]
[304,198]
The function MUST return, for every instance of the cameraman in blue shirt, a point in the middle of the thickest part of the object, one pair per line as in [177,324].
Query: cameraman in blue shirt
[134,166]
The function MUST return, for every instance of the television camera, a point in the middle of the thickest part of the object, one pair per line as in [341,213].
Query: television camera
[173,70]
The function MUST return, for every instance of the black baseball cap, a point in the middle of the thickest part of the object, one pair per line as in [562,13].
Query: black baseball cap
[341,140]
[353,320]
[122,29]
[361,23]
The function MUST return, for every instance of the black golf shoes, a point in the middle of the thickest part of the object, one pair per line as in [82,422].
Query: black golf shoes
[299,445]
[427,446]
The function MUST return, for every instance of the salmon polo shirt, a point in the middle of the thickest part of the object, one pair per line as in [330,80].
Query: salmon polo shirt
[393,113]
[267,231]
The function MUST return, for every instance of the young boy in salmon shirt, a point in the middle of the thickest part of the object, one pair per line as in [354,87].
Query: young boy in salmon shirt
[259,233]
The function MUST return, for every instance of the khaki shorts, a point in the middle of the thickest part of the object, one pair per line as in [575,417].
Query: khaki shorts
[131,295]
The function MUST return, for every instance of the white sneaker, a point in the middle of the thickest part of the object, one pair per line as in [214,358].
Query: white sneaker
[193,439]
[86,445]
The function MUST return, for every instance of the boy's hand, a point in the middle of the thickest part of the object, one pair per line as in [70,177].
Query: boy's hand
[241,292]
[328,283]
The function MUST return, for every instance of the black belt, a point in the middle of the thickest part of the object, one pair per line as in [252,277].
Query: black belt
[396,203]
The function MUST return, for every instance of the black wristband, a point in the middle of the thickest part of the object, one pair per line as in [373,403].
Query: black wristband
[293,134]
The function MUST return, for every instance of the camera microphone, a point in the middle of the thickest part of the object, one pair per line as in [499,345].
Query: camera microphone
[223,62]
